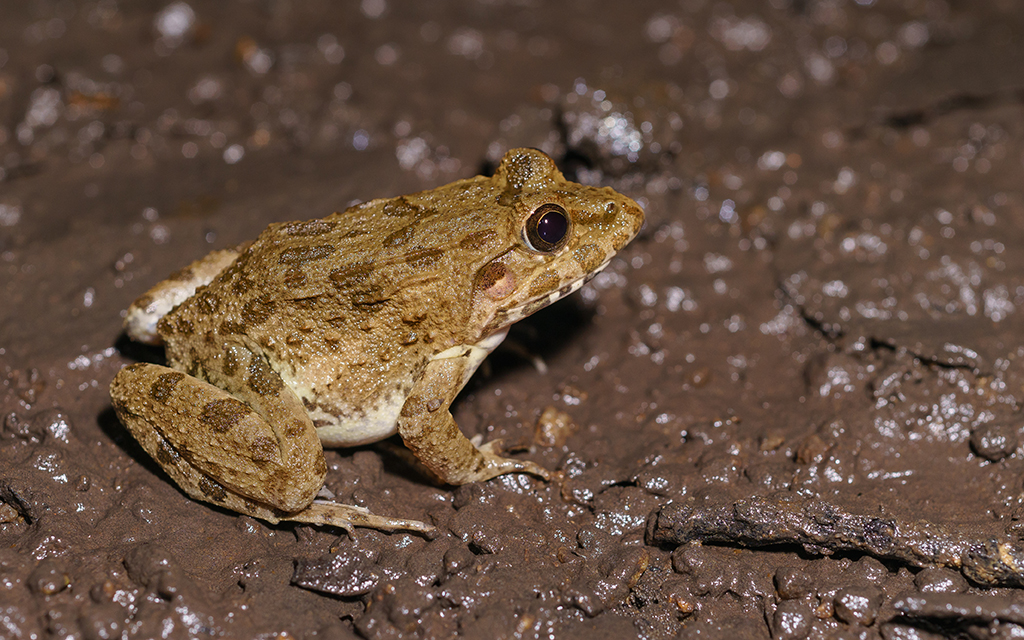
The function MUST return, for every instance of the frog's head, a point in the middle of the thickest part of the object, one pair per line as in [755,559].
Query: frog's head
[561,234]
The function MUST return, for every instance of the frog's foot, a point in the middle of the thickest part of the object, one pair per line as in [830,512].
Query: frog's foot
[494,464]
[347,516]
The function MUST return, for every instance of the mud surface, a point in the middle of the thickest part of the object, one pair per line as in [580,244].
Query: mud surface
[818,329]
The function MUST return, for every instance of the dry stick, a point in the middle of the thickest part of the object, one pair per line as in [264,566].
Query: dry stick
[823,527]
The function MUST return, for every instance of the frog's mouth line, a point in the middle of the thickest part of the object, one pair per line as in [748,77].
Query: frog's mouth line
[515,314]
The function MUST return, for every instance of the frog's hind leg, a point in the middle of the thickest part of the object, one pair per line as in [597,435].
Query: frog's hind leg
[144,313]
[255,452]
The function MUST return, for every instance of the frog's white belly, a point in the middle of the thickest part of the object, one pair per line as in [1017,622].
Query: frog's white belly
[381,421]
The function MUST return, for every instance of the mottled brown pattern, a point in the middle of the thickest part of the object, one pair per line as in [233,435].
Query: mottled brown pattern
[588,257]
[295,278]
[230,327]
[262,378]
[295,428]
[309,228]
[263,449]
[221,415]
[544,283]
[399,207]
[302,255]
[352,274]
[163,386]
[207,302]
[477,240]
[422,258]
[212,489]
[400,237]
[165,453]
[368,297]
[256,311]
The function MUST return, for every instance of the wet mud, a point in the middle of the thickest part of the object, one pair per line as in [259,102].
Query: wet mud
[791,408]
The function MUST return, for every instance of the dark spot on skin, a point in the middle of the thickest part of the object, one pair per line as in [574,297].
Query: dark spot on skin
[423,258]
[242,285]
[400,207]
[400,237]
[302,255]
[434,405]
[544,283]
[368,297]
[207,302]
[231,361]
[295,278]
[185,273]
[295,428]
[221,415]
[321,467]
[164,326]
[262,378]
[164,385]
[256,311]
[589,257]
[477,240]
[230,327]
[165,453]
[407,339]
[263,449]
[308,228]
[184,326]
[354,233]
[212,489]
[350,275]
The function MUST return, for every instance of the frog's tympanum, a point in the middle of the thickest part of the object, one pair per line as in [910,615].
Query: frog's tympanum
[345,330]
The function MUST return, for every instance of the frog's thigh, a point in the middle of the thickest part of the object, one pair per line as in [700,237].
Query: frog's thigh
[218,448]
[430,432]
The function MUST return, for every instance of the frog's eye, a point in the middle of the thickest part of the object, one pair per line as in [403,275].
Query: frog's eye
[547,228]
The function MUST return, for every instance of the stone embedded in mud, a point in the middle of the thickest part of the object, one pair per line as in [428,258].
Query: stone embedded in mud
[342,574]
[940,580]
[995,440]
[857,605]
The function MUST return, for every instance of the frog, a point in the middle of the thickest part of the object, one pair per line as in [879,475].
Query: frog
[345,330]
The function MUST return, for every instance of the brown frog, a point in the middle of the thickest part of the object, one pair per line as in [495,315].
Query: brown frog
[345,330]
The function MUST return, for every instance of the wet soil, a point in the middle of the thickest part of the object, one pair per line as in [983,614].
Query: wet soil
[791,408]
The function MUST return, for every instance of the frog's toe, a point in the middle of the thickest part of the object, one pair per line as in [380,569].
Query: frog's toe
[496,465]
[347,516]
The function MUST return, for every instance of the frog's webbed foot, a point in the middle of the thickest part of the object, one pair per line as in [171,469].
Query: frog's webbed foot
[346,516]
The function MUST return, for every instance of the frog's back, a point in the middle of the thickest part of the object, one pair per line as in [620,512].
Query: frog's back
[361,298]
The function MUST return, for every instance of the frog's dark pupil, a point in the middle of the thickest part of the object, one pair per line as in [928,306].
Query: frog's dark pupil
[552,227]
[548,228]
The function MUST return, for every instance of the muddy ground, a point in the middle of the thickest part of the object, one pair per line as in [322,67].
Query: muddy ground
[810,359]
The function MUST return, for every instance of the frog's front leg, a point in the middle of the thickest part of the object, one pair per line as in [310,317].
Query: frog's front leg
[429,431]
[244,443]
